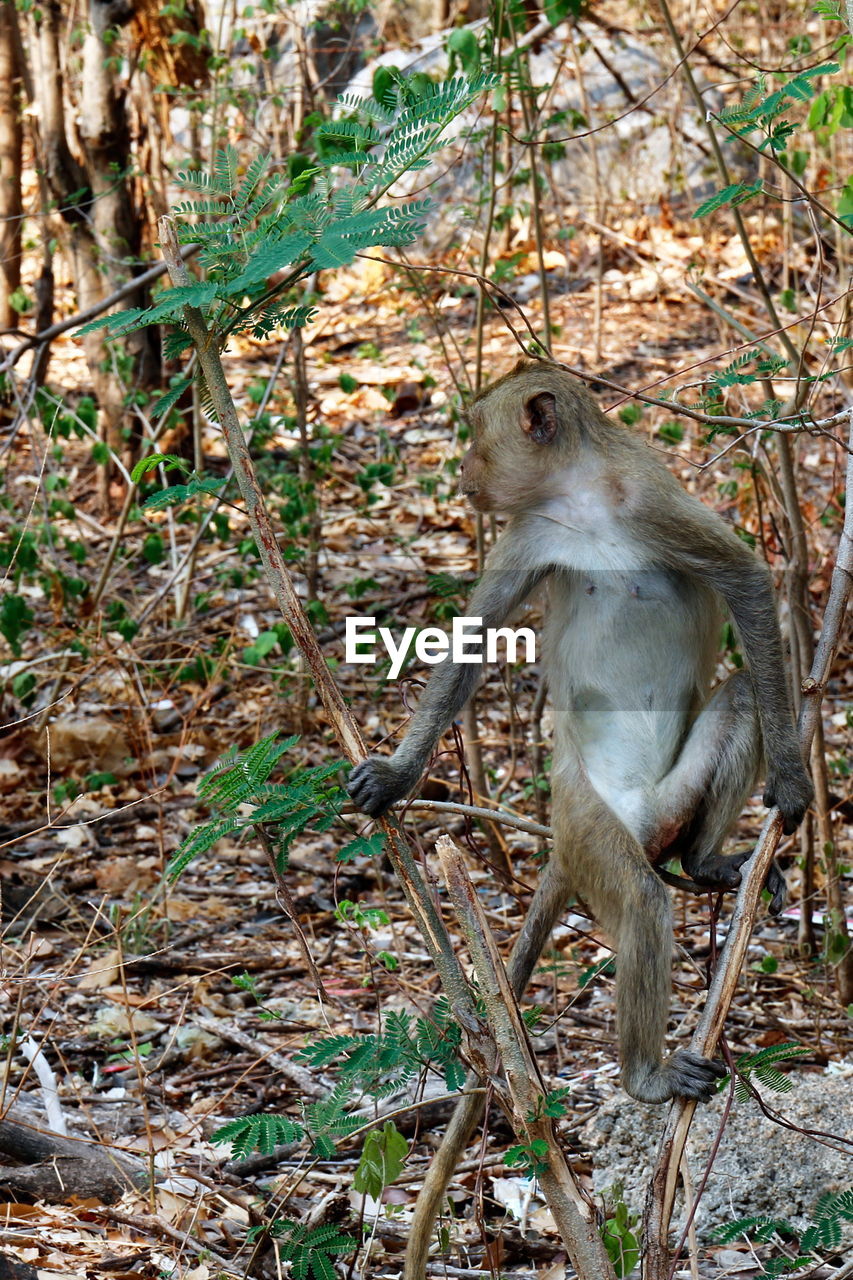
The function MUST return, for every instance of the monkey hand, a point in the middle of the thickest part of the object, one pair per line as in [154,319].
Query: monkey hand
[378,783]
[789,787]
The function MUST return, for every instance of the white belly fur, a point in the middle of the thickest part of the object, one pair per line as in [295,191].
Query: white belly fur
[630,656]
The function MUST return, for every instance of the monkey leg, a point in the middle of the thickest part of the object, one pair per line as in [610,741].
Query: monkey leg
[706,789]
[607,867]
[552,894]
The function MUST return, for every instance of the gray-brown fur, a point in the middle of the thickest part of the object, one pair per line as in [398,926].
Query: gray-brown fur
[647,760]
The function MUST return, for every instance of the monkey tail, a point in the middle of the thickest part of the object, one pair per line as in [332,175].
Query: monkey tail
[464,1120]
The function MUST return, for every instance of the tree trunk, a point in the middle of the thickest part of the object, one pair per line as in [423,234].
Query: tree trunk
[118,223]
[105,229]
[11,142]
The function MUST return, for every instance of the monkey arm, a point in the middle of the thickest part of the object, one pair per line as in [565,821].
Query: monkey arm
[694,540]
[378,783]
[748,592]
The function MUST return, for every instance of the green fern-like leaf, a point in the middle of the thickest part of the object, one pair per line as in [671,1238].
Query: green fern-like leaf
[349,131]
[216,234]
[236,779]
[751,99]
[837,1205]
[328,1119]
[263,197]
[362,847]
[197,842]
[277,318]
[379,1064]
[119,323]
[241,780]
[201,293]
[200,180]
[437,1042]
[789,1049]
[339,243]
[773,1053]
[258,1133]
[812,1237]
[308,1252]
[177,494]
[400,225]
[355,160]
[760,109]
[269,258]
[440,103]
[168,306]
[740,112]
[776,1267]
[251,178]
[759,1228]
[327,1049]
[219,207]
[170,398]
[369,108]
[734,195]
[177,342]
[762,1066]
[411,150]
[225,164]
[774,1080]
[828,1234]
[251,227]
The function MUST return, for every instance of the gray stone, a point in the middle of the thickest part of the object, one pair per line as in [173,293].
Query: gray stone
[761,1167]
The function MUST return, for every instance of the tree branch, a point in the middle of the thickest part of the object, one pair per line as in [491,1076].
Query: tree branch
[661,1192]
[524,1094]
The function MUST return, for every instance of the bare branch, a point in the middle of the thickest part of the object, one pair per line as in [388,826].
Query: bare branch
[661,1192]
[573,1213]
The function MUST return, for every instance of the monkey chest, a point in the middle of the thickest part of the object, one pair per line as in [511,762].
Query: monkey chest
[631,640]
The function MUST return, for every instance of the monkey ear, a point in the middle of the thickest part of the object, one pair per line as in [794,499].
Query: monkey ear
[539,417]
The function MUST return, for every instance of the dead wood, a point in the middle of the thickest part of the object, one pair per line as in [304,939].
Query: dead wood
[55,1169]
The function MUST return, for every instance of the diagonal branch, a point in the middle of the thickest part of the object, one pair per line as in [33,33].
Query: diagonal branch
[523,1095]
[661,1192]
[428,920]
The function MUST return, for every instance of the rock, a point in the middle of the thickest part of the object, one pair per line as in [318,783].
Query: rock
[760,1167]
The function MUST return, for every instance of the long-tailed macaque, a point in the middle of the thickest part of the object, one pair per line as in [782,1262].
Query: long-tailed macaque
[646,759]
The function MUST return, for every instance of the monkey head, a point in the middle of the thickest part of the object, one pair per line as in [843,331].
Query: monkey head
[527,428]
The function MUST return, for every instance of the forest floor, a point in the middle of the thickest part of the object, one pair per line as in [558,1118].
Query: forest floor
[165,1009]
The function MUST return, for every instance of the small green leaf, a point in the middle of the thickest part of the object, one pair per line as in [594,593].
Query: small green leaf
[845,204]
[382,1159]
[153,549]
[153,460]
[179,493]
[16,618]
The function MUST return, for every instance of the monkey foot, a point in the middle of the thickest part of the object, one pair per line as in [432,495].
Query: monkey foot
[682,1075]
[720,871]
